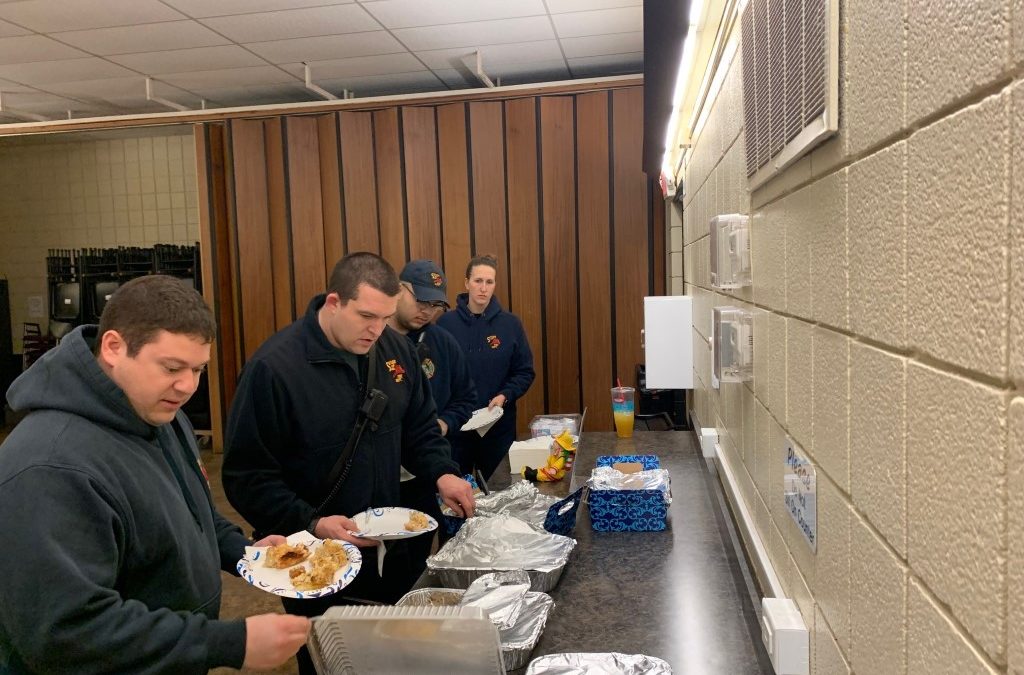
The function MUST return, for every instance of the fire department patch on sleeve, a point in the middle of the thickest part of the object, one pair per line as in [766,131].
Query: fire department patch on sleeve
[428,368]
[396,370]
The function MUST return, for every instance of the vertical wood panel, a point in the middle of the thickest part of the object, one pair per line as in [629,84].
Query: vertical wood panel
[489,220]
[358,172]
[524,241]
[306,209]
[454,175]
[280,240]
[421,183]
[215,250]
[630,230]
[252,218]
[560,282]
[658,254]
[389,186]
[593,200]
[330,191]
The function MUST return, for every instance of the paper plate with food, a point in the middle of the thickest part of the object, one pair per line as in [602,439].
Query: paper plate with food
[392,522]
[302,567]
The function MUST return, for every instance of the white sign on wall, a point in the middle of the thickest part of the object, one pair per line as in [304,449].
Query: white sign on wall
[800,492]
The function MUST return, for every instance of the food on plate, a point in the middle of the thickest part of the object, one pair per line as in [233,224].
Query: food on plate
[417,521]
[286,555]
[326,561]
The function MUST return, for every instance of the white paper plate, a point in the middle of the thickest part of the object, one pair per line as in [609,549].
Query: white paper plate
[277,581]
[384,524]
[483,419]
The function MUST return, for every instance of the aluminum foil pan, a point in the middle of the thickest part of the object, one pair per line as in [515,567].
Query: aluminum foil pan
[500,594]
[521,500]
[611,663]
[501,543]
[607,478]
[518,641]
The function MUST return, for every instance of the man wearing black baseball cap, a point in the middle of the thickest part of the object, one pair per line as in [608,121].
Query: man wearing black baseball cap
[423,297]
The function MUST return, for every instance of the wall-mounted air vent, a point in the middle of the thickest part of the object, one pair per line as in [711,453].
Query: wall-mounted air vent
[790,80]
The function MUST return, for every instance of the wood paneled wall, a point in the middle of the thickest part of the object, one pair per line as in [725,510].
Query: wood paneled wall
[551,185]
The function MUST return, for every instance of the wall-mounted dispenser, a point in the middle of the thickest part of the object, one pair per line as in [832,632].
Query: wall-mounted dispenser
[730,251]
[732,344]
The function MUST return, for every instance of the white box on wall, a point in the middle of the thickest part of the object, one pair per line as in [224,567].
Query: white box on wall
[668,341]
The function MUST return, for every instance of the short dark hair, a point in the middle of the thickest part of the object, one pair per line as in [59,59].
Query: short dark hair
[484,259]
[144,306]
[362,267]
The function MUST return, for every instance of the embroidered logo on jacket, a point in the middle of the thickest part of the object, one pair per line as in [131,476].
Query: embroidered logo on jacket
[493,341]
[396,370]
[428,368]
[436,278]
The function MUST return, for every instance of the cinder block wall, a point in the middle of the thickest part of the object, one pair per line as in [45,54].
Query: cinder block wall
[89,191]
[888,272]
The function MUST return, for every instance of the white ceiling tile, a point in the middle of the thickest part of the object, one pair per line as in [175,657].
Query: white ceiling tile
[7,86]
[380,85]
[294,23]
[43,72]
[523,52]
[600,22]
[111,86]
[327,47]
[47,16]
[598,45]
[10,30]
[147,37]
[38,102]
[185,60]
[358,66]
[504,31]
[561,6]
[531,72]
[409,13]
[205,8]
[258,95]
[229,78]
[600,66]
[30,48]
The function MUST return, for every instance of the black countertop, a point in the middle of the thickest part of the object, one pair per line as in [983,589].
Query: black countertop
[683,595]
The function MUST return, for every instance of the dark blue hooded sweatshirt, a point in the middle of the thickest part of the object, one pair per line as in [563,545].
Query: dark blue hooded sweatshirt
[499,355]
[446,369]
[114,549]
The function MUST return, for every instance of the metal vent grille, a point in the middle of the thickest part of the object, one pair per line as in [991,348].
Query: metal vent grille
[790,80]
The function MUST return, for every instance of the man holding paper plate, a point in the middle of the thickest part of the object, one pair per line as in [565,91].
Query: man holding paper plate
[326,413]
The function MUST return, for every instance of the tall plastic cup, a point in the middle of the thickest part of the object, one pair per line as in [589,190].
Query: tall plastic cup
[622,410]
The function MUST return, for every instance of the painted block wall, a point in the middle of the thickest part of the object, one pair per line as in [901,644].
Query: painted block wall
[888,291]
[80,191]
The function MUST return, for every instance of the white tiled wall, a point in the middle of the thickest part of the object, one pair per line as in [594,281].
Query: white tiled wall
[78,192]
[888,292]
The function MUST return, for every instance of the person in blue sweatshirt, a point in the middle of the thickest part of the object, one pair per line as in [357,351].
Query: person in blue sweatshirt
[424,294]
[500,359]
[113,546]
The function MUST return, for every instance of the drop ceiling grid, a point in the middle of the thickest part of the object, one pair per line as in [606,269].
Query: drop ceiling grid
[94,55]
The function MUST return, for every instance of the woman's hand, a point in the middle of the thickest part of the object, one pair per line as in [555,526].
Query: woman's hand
[498,400]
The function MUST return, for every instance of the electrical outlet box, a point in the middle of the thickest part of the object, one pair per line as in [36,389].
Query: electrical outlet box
[785,636]
[732,341]
[708,440]
[730,251]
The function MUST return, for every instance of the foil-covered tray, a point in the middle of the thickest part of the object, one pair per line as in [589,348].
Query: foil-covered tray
[607,478]
[499,543]
[518,641]
[611,663]
[521,499]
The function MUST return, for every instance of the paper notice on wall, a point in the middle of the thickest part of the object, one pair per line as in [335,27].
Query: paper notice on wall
[800,492]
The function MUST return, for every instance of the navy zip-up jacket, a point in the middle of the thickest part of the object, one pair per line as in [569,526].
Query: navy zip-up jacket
[446,369]
[498,353]
[293,413]
[114,549]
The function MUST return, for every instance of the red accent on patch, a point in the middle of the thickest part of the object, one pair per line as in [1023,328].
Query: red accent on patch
[436,278]
[396,370]
[493,341]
